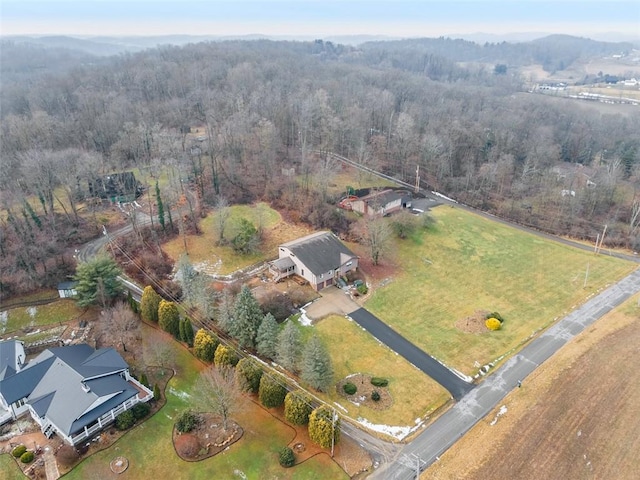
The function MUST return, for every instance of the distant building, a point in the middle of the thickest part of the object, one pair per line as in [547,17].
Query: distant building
[67,289]
[319,258]
[117,187]
[382,203]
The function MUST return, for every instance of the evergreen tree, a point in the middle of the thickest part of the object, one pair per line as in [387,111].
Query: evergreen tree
[289,347]
[248,375]
[317,369]
[186,276]
[272,391]
[169,318]
[204,345]
[267,337]
[133,305]
[297,407]
[324,424]
[149,303]
[186,332]
[225,312]
[225,357]
[246,318]
[160,207]
[157,395]
[97,282]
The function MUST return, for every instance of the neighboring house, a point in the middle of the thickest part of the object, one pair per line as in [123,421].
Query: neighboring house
[73,391]
[382,203]
[319,258]
[67,289]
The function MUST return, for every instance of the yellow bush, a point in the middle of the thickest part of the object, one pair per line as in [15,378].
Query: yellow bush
[493,323]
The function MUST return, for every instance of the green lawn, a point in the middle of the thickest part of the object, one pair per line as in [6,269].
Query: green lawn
[8,468]
[353,350]
[15,319]
[467,263]
[222,259]
[151,454]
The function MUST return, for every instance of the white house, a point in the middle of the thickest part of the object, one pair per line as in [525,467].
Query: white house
[73,391]
[319,258]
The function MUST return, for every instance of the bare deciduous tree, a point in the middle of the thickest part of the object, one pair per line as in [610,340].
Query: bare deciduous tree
[122,323]
[217,392]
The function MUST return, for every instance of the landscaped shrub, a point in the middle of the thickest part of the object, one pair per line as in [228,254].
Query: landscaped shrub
[67,456]
[495,315]
[324,426]
[18,451]
[125,420]
[287,458]
[297,407]
[379,382]
[27,457]
[493,323]
[362,289]
[140,410]
[272,391]
[187,445]
[144,380]
[375,396]
[225,357]
[157,394]
[248,375]
[187,421]
[349,388]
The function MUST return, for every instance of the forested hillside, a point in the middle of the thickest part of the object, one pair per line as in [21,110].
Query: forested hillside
[264,105]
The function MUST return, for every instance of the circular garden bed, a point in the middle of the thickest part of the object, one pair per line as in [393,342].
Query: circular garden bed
[206,439]
[364,393]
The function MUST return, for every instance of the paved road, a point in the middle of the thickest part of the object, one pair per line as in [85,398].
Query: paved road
[454,423]
[396,342]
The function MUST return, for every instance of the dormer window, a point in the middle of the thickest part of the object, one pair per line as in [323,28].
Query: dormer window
[85,387]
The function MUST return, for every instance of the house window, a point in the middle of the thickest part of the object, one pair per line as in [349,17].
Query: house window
[302,272]
[321,275]
[20,403]
[349,263]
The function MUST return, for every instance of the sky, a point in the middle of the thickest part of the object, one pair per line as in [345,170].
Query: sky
[400,18]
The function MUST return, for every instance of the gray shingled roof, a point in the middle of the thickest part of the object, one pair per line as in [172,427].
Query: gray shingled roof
[283,263]
[8,358]
[55,384]
[383,198]
[320,252]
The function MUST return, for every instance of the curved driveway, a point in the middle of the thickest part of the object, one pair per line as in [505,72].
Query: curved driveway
[396,342]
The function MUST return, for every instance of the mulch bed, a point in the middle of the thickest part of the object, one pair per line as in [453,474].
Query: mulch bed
[207,439]
[473,323]
[363,394]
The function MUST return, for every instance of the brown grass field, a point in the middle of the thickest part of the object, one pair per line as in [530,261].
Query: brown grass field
[575,417]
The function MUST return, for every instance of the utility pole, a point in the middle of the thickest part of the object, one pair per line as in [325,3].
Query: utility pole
[417,178]
[333,430]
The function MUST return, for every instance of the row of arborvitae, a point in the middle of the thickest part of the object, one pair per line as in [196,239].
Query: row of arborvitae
[23,454]
[166,314]
[493,321]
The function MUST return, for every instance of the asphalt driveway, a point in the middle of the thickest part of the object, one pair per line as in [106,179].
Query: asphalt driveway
[425,362]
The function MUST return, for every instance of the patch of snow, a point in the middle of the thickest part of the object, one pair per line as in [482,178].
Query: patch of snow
[4,317]
[304,320]
[208,267]
[398,433]
[502,411]
[437,194]
[32,311]
[179,393]
[34,332]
